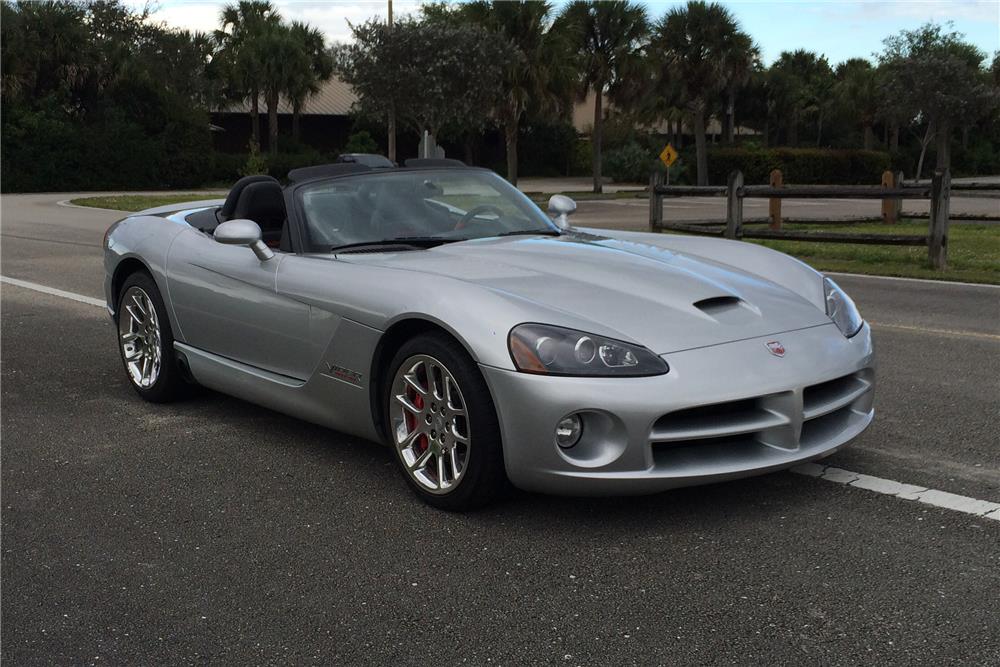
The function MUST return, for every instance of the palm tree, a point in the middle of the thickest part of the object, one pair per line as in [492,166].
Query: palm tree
[538,73]
[857,87]
[696,43]
[741,59]
[799,82]
[240,54]
[305,82]
[282,59]
[610,37]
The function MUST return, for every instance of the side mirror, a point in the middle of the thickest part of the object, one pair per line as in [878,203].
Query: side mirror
[560,208]
[243,232]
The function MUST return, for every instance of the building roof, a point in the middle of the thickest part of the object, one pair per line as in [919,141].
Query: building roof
[333,99]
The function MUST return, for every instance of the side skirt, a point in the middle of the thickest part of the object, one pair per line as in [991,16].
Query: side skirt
[321,400]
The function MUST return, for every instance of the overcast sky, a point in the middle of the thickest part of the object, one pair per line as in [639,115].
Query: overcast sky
[836,28]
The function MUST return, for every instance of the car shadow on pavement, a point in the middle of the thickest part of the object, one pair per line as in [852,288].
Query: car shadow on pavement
[349,461]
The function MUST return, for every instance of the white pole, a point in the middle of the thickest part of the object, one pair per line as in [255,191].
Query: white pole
[392,112]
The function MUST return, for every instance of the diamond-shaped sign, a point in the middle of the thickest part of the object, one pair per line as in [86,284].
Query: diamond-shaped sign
[668,155]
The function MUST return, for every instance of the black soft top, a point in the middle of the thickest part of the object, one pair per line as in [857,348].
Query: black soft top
[357,163]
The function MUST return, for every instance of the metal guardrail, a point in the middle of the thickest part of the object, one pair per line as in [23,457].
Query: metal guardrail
[936,239]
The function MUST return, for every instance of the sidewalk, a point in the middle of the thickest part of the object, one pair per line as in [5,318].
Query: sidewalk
[572,184]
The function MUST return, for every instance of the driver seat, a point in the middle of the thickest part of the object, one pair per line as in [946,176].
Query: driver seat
[393,214]
[264,203]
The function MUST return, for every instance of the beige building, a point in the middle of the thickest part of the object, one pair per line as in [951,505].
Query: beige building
[583,120]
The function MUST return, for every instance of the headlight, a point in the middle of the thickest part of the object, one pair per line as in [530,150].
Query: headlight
[841,308]
[549,350]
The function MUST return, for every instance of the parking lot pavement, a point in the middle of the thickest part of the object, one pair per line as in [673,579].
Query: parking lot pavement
[51,244]
[215,530]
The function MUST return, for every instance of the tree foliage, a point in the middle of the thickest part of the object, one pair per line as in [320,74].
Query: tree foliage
[538,76]
[932,75]
[700,50]
[92,98]
[261,56]
[609,38]
[431,73]
[96,95]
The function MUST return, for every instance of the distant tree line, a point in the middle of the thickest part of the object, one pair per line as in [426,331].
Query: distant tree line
[692,64]
[95,94]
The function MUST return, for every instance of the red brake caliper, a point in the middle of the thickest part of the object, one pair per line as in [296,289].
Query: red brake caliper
[411,420]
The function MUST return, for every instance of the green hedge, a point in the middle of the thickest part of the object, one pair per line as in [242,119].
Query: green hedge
[230,166]
[799,166]
[630,163]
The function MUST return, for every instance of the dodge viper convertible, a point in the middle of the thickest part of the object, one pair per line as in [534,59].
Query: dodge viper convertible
[435,308]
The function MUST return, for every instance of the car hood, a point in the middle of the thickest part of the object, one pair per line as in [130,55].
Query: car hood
[664,300]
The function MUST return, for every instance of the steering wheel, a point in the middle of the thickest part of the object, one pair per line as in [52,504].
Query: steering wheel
[476,210]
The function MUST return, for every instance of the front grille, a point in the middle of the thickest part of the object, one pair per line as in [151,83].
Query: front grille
[800,418]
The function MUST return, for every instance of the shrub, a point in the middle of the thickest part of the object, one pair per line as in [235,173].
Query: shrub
[800,166]
[142,137]
[361,142]
[545,149]
[226,168]
[581,158]
[255,164]
[977,159]
[280,164]
[630,163]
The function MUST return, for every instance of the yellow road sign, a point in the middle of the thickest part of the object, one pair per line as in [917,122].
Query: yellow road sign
[668,155]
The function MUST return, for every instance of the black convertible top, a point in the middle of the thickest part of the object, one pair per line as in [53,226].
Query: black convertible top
[356,163]
[321,170]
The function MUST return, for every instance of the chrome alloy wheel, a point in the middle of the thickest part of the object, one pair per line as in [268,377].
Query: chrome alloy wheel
[139,336]
[430,424]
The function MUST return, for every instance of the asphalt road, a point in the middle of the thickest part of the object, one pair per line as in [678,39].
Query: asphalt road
[216,531]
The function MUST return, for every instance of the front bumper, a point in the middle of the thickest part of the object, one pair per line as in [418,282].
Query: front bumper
[722,412]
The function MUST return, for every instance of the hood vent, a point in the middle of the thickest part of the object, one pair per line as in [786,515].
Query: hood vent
[717,304]
[730,310]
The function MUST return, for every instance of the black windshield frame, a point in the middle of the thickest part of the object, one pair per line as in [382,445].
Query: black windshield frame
[297,207]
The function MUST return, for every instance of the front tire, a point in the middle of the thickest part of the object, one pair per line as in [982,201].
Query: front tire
[145,341]
[443,425]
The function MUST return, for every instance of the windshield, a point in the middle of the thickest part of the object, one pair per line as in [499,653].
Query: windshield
[423,205]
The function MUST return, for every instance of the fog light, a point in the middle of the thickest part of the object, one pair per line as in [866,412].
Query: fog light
[568,431]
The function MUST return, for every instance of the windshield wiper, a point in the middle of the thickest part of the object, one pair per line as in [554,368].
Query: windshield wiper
[414,241]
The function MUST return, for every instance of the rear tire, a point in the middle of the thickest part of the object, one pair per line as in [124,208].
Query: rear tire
[146,342]
[442,424]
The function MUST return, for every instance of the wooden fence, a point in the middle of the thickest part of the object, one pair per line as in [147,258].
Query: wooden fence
[891,193]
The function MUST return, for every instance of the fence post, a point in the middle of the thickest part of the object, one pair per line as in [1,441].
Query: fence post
[890,207]
[774,203]
[937,239]
[655,202]
[734,206]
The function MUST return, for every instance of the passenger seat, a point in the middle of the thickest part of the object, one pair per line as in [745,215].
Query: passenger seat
[264,203]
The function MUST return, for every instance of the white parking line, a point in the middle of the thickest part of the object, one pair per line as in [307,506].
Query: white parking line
[889,487]
[945,283]
[937,332]
[943,499]
[53,291]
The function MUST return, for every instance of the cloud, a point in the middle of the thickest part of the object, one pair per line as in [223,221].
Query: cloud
[332,18]
[927,10]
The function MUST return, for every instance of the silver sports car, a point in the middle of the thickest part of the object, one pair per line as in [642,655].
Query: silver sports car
[436,308]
